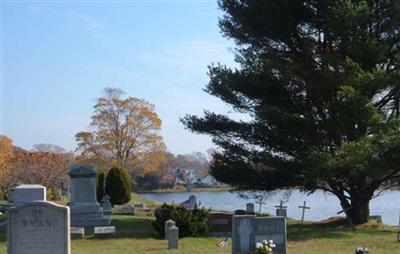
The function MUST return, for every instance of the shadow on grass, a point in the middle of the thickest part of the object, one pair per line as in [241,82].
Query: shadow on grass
[331,229]
[334,228]
[135,227]
[3,234]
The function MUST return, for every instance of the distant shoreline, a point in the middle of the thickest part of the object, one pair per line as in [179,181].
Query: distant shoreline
[194,189]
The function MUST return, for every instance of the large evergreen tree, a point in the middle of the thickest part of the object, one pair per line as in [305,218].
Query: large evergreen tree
[320,81]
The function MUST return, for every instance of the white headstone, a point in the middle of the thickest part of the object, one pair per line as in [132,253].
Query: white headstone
[104,231]
[38,228]
[26,193]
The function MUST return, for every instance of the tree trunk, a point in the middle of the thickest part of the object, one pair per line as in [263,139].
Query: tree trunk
[359,210]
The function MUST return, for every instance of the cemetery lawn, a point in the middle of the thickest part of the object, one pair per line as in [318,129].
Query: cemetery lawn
[136,235]
[136,198]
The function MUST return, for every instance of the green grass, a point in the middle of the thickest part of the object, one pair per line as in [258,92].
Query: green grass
[334,237]
[137,198]
[136,235]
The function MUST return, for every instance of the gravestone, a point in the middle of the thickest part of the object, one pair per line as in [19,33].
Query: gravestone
[173,237]
[281,210]
[38,227]
[248,229]
[250,207]
[106,205]
[77,232]
[220,224]
[26,193]
[85,210]
[167,225]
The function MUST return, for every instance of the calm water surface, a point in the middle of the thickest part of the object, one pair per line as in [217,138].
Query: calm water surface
[322,205]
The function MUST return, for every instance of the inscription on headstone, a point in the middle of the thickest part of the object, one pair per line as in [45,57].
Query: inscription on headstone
[38,228]
[247,230]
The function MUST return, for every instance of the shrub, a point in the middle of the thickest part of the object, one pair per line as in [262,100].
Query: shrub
[100,186]
[3,193]
[118,185]
[53,194]
[192,223]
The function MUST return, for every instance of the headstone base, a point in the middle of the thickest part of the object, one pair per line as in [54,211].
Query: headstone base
[77,233]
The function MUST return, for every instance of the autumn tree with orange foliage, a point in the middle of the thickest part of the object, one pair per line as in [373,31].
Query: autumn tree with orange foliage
[47,169]
[6,152]
[123,131]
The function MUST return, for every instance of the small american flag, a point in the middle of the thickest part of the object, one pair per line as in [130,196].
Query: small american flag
[224,242]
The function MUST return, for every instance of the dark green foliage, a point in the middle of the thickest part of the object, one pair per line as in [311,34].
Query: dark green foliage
[151,181]
[320,84]
[192,223]
[118,185]
[3,193]
[100,186]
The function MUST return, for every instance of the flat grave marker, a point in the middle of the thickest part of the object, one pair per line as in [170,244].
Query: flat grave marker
[104,231]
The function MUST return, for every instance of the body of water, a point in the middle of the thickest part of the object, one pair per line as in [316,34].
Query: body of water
[322,205]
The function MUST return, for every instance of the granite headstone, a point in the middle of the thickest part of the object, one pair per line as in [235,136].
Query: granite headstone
[248,229]
[220,224]
[250,207]
[85,210]
[173,237]
[38,227]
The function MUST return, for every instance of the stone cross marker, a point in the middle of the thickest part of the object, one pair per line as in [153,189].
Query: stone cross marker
[249,229]
[260,202]
[38,227]
[304,207]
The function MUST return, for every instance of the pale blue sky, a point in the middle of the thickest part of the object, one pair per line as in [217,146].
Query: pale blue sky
[57,57]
